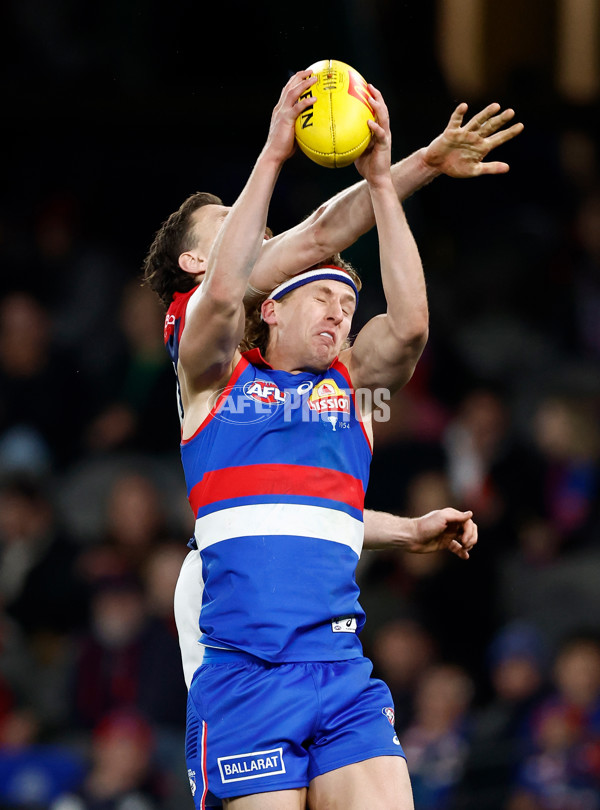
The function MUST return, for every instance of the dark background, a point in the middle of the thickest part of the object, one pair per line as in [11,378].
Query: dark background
[132,105]
[112,113]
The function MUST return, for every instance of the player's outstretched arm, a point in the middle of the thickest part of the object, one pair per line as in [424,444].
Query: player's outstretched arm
[446,528]
[460,151]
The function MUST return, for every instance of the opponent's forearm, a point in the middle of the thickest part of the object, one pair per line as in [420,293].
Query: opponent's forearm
[334,226]
[412,173]
[350,213]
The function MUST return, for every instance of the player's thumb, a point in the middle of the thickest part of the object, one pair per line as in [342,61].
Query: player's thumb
[455,514]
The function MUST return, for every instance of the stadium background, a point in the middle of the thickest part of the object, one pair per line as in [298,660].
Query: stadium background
[112,113]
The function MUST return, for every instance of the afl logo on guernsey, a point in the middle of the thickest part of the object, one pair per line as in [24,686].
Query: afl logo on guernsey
[256,401]
[326,396]
[265,392]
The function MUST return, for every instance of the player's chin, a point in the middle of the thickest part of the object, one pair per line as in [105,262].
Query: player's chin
[323,358]
[328,352]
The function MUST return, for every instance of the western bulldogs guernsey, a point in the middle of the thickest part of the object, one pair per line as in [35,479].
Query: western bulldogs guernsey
[276,477]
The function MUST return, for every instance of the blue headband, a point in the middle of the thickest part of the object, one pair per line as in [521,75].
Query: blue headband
[329,272]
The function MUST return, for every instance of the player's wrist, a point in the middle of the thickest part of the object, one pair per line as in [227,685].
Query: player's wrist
[382,183]
[413,533]
[405,533]
[272,157]
[427,166]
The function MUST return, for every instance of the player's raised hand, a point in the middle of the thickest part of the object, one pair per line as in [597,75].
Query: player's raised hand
[281,141]
[375,161]
[460,150]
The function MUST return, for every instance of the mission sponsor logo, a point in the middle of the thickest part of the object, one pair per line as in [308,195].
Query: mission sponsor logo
[327,397]
[254,765]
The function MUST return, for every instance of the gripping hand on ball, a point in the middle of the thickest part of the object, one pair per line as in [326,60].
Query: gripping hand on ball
[281,139]
[460,150]
[375,162]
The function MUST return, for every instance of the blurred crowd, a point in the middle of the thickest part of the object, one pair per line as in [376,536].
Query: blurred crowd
[494,663]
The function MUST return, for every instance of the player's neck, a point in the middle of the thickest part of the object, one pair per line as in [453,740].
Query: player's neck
[284,361]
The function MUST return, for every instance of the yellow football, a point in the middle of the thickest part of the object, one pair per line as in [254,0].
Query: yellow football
[334,130]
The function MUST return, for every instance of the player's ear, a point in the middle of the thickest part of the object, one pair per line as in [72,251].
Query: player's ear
[267,312]
[192,264]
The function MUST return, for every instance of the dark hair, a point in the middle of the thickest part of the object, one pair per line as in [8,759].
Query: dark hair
[256,332]
[162,272]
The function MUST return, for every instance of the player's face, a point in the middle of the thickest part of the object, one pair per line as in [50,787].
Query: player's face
[208,221]
[313,323]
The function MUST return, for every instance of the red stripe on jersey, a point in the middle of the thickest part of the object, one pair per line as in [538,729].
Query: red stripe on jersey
[339,366]
[276,479]
[204,770]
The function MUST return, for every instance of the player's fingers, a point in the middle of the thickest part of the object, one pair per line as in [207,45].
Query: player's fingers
[493,167]
[496,122]
[376,96]
[299,105]
[457,548]
[482,117]
[457,116]
[379,133]
[299,108]
[452,515]
[297,87]
[380,109]
[299,78]
[504,135]
[298,84]
[469,536]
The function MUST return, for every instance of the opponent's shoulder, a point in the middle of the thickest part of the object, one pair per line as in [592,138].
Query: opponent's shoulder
[176,314]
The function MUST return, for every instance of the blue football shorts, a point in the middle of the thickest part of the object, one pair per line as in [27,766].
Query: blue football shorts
[254,727]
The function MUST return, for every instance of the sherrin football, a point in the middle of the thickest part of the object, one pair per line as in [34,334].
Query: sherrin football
[334,130]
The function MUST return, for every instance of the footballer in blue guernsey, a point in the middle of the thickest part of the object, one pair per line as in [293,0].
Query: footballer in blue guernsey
[276,443]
